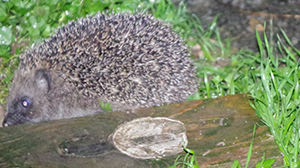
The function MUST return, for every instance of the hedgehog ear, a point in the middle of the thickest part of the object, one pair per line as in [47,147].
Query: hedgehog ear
[43,79]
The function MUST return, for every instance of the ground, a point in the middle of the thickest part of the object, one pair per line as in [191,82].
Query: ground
[239,17]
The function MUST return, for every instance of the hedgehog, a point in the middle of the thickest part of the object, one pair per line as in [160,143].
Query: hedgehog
[127,60]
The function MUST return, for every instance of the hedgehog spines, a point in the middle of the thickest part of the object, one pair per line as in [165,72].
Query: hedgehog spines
[134,59]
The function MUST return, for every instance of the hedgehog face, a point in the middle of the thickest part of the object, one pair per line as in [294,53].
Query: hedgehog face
[18,112]
[26,93]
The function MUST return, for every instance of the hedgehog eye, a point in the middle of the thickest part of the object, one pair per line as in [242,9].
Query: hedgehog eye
[25,103]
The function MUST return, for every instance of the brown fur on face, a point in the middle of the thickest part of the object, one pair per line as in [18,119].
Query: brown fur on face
[47,98]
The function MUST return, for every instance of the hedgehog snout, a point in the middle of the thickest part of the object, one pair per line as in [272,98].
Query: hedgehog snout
[13,119]
[16,112]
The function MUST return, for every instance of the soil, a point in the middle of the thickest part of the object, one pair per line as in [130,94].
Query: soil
[238,19]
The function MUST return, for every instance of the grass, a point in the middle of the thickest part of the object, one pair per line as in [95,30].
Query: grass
[189,160]
[270,77]
[276,98]
[274,86]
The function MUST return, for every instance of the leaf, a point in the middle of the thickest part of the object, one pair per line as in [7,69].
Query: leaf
[22,7]
[4,51]
[38,10]
[3,14]
[106,106]
[266,163]
[236,164]
[47,31]
[6,37]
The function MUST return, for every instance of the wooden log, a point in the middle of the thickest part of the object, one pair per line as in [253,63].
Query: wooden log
[219,131]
